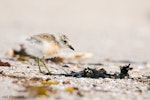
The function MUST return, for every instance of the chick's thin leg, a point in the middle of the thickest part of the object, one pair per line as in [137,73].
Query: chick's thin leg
[38,61]
[43,61]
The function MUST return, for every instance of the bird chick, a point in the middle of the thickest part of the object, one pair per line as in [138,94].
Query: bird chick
[46,45]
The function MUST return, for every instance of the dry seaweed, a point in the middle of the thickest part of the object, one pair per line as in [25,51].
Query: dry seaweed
[65,65]
[56,59]
[79,94]
[4,64]
[49,82]
[37,90]
[66,82]
[93,73]
[70,89]
[1,72]
[21,52]
[37,79]
[124,71]
[100,73]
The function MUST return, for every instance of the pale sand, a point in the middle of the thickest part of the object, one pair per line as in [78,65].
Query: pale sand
[115,30]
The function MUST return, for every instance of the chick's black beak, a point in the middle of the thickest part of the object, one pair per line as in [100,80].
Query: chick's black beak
[71,47]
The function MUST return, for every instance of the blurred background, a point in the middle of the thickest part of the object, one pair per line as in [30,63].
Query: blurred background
[115,29]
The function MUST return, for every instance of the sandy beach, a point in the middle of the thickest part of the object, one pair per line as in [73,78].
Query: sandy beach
[116,33]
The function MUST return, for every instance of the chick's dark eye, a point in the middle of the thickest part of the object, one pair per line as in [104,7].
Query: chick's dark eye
[65,41]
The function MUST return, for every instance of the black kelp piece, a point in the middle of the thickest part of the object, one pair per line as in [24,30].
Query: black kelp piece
[124,71]
[101,73]
[93,73]
[21,52]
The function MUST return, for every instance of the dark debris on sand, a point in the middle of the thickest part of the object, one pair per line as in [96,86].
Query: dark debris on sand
[4,64]
[101,73]
[21,52]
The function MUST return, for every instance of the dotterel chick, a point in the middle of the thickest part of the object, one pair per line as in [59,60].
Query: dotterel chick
[47,45]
